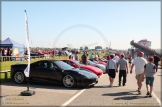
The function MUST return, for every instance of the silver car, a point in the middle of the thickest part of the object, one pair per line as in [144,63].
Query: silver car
[100,66]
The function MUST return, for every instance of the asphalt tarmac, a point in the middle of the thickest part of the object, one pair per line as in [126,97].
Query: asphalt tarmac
[99,95]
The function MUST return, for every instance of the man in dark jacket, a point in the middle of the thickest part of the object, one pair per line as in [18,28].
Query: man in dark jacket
[156,61]
[84,58]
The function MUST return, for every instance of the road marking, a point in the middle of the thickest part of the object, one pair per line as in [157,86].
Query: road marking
[157,99]
[71,99]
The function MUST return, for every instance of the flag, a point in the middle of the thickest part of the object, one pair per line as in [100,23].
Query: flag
[27,70]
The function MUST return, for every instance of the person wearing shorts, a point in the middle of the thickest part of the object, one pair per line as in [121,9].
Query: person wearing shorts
[139,64]
[112,68]
[140,77]
[149,72]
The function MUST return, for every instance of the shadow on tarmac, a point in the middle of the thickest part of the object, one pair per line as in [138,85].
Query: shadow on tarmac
[130,97]
[135,96]
[104,86]
[120,93]
[34,85]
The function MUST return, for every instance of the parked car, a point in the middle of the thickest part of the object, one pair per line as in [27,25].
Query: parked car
[77,64]
[54,71]
[99,62]
[96,64]
[103,60]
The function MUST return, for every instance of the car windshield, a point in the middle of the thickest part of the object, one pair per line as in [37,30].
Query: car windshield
[63,65]
[78,63]
[90,62]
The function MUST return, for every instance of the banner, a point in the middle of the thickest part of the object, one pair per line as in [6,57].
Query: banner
[18,53]
[27,70]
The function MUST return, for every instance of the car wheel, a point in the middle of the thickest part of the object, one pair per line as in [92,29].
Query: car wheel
[19,77]
[69,81]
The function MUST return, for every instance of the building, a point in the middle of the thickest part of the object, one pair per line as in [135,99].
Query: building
[145,43]
[98,47]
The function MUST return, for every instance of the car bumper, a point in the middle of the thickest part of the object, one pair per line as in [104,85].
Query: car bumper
[87,82]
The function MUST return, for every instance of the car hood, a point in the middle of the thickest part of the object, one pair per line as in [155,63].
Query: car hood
[101,65]
[84,73]
[92,67]
[89,66]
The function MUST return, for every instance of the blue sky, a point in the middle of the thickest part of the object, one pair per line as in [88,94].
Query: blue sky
[82,23]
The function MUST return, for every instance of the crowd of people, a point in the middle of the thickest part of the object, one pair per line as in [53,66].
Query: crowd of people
[5,53]
[84,58]
[144,69]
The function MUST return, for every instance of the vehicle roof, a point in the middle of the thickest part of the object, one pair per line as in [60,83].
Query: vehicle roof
[51,60]
[66,60]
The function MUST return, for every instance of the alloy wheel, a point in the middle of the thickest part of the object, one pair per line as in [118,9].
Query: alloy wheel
[19,77]
[68,81]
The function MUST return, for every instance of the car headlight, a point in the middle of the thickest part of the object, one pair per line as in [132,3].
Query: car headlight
[80,73]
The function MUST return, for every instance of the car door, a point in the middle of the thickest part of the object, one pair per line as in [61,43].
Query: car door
[47,72]
[33,70]
[58,74]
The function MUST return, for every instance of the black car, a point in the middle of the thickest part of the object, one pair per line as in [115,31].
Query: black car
[53,71]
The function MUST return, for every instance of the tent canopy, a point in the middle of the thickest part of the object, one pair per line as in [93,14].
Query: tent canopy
[10,43]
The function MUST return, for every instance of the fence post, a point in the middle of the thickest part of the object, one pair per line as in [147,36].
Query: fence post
[6,75]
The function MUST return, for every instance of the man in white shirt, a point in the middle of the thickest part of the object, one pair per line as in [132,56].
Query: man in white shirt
[73,55]
[139,63]
[116,58]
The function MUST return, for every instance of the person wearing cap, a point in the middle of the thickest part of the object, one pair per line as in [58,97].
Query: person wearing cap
[149,72]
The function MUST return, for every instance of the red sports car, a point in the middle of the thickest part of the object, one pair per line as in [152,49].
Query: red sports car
[77,64]
[100,62]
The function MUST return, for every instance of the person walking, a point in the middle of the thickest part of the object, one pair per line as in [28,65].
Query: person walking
[73,55]
[116,58]
[123,70]
[111,68]
[108,57]
[76,56]
[130,60]
[156,61]
[149,72]
[139,63]
[84,58]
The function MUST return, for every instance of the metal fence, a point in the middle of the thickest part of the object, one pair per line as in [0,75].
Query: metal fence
[5,73]
[11,58]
